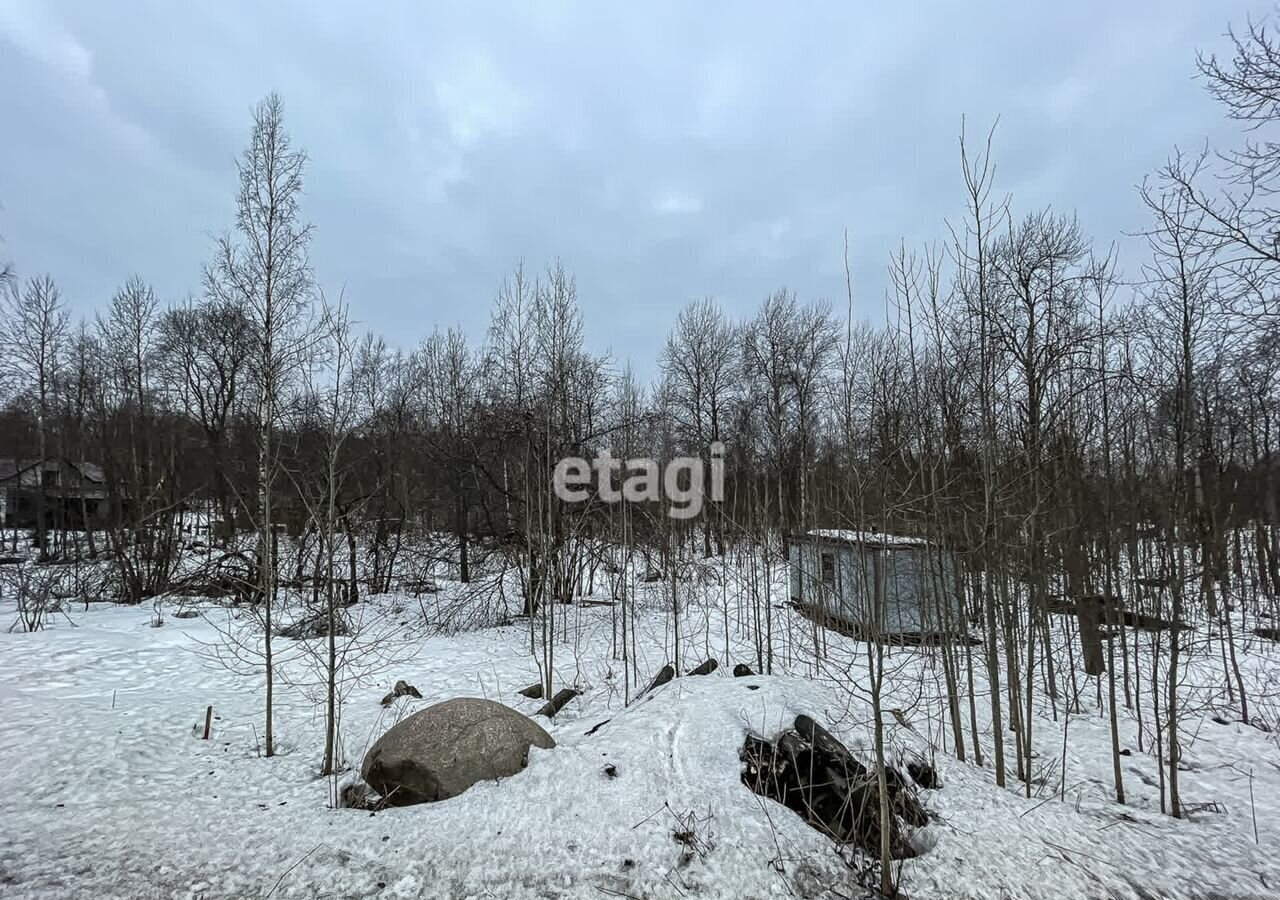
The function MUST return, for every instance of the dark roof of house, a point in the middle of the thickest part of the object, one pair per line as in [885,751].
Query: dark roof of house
[89,471]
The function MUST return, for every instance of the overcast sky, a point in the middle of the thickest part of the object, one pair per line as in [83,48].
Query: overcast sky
[662,151]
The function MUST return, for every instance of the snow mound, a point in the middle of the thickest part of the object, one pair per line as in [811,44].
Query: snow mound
[106,793]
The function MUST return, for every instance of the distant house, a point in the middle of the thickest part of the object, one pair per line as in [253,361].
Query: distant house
[876,583]
[72,493]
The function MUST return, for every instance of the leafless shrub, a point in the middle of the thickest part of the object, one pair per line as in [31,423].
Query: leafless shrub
[35,590]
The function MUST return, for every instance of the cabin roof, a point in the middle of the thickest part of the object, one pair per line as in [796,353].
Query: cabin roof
[89,471]
[874,539]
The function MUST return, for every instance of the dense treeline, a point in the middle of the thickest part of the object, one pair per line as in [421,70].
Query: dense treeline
[1073,423]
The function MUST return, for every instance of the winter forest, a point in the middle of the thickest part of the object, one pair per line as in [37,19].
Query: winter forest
[245,537]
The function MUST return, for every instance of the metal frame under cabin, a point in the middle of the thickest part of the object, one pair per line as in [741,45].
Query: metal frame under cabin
[876,583]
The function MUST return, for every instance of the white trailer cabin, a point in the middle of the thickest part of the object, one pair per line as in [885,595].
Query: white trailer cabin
[877,584]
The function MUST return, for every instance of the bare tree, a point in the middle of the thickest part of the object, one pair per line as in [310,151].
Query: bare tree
[33,328]
[207,349]
[1180,317]
[451,382]
[140,458]
[263,271]
[698,362]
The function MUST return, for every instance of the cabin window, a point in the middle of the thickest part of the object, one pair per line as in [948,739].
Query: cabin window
[829,569]
[49,478]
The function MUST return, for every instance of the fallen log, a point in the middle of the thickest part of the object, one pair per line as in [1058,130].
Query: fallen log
[314,626]
[533,691]
[863,781]
[705,669]
[556,703]
[810,772]
[665,674]
[825,742]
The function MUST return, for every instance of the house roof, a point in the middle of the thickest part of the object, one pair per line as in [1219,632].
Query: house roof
[89,471]
[878,539]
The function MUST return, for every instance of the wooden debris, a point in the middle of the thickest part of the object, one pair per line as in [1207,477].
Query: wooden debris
[665,674]
[810,772]
[925,775]
[533,691]
[556,703]
[705,668]
[402,689]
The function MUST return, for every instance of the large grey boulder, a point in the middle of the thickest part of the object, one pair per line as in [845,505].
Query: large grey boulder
[441,751]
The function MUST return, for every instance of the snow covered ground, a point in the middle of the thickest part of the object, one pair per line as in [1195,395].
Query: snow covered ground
[106,790]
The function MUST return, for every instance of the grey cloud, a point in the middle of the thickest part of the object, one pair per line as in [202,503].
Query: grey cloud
[663,151]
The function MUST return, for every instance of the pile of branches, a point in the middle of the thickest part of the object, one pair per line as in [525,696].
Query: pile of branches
[810,772]
[232,574]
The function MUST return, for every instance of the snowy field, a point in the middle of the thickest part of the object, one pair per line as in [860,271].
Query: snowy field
[107,790]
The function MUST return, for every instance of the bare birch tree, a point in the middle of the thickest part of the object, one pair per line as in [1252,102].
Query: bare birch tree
[262,269]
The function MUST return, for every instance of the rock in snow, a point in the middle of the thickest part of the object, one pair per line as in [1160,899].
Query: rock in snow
[441,751]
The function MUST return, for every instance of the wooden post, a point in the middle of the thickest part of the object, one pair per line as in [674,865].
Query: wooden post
[208,720]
